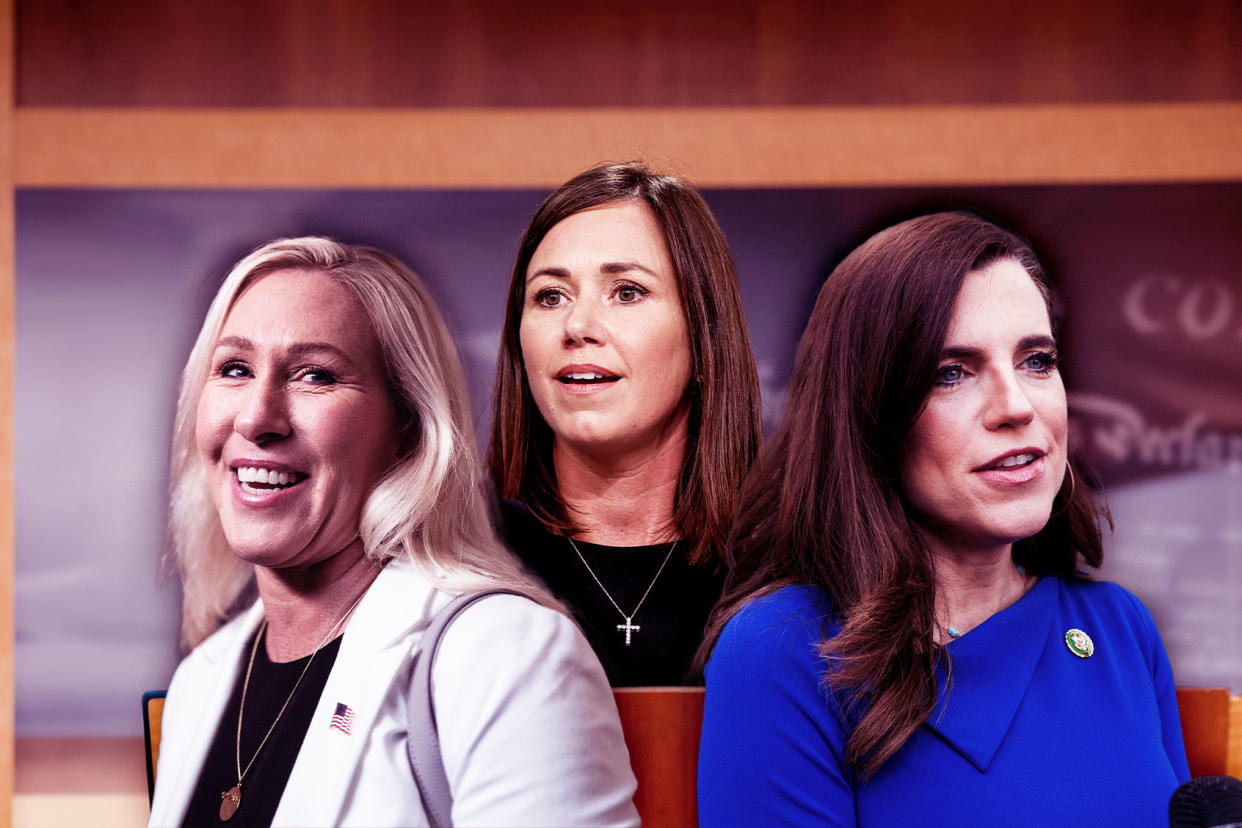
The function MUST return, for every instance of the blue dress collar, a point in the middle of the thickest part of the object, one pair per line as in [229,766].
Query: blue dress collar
[992,667]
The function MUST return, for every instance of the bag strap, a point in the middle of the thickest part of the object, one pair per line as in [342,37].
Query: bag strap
[423,743]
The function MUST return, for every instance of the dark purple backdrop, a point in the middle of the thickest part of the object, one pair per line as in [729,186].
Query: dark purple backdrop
[112,285]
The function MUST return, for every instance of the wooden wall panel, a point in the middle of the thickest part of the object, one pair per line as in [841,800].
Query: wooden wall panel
[82,765]
[391,53]
[714,147]
[7,364]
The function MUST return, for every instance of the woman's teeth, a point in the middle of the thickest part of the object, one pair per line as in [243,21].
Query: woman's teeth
[1015,460]
[256,479]
[585,376]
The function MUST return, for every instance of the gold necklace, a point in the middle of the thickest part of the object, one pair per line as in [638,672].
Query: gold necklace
[230,800]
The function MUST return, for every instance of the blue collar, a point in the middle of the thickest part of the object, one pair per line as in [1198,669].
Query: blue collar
[993,666]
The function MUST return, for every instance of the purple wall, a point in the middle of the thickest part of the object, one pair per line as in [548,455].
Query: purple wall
[112,285]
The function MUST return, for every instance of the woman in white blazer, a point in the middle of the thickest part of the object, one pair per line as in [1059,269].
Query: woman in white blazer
[326,504]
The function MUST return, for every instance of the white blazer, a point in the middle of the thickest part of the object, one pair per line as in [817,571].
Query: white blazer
[527,722]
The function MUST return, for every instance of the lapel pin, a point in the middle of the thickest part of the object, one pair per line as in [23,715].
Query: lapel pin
[1079,643]
[342,719]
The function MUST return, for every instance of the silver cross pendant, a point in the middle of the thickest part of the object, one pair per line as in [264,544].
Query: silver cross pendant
[629,627]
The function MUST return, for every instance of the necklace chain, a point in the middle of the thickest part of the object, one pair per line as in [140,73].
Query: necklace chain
[234,796]
[628,627]
[1026,583]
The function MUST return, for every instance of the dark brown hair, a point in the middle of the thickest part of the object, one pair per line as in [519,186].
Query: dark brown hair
[824,503]
[724,423]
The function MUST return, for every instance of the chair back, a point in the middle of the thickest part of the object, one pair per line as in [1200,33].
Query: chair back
[1205,728]
[152,715]
[661,726]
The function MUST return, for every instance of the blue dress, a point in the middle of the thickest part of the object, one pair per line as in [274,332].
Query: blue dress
[1029,734]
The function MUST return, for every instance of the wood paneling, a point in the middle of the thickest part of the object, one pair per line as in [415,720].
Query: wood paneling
[84,765]
[95,810]
[7,365]
[714,147]
[97,782]
[392,53]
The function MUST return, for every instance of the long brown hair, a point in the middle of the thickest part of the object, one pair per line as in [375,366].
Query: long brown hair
[824,503]
[724,425]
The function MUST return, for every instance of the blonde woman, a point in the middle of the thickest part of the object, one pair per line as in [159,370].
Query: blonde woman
[325,505]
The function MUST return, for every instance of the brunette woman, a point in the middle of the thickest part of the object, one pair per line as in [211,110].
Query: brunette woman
[626,409]
[907,637]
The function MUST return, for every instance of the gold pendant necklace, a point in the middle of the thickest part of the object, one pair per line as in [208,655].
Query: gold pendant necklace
[230,800]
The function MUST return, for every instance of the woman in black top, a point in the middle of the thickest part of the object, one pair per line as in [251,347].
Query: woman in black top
[626,410]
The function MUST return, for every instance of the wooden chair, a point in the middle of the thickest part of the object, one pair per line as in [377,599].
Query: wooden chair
[152,715]
[1205,713]
[661,726]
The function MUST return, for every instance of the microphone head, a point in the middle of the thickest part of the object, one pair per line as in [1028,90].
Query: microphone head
[1207,802]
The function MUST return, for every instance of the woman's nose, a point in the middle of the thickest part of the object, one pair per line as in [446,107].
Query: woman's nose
[263,415]
[584,323]
[1008,403]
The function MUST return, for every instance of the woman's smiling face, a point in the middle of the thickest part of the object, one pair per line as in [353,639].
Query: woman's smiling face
[987,455]
[603,333]
[295,423]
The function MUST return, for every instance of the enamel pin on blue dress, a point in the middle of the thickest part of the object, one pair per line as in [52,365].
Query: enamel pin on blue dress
[1079,643]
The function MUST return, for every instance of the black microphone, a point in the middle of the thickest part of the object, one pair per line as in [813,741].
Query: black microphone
[1207,802]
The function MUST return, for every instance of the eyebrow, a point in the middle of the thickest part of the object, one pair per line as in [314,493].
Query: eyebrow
[1025,344]
[609,268]
[297,349]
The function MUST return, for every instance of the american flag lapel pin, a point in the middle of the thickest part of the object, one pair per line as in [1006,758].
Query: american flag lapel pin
[343,718]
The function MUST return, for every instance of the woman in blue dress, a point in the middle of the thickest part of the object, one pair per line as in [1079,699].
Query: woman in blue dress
[907,636]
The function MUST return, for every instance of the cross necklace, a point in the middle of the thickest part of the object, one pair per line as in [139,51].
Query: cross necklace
[629,627]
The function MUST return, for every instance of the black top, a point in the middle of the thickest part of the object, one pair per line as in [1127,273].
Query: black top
[270,683]
[669,625]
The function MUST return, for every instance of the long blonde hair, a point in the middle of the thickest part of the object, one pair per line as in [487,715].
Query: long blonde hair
[430,507]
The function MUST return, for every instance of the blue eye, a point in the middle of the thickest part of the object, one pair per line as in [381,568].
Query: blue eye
[233,370]
[1042,362]
[950,374]
[316,376]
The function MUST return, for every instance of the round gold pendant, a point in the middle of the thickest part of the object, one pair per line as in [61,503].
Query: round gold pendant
[230,801]
[1079,643]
